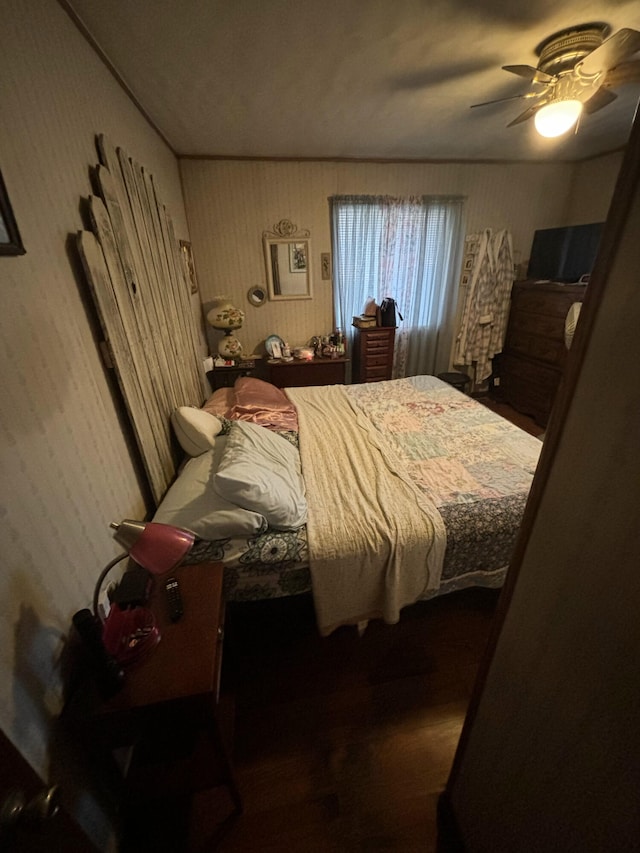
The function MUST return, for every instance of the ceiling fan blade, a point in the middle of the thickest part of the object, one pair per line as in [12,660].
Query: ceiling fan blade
[527,114]
[529,73]
[626,72]
[499,100]
[622,44]
[602,98]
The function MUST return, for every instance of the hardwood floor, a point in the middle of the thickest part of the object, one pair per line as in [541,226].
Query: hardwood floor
[345,743]
[504,409]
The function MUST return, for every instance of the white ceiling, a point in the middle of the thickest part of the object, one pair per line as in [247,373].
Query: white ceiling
[349,78]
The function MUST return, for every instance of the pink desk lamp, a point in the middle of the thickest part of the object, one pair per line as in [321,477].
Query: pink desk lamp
[129,632]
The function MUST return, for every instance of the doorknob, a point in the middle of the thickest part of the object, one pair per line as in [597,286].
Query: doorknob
[42,807]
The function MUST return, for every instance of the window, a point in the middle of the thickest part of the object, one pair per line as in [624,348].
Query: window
[407,249]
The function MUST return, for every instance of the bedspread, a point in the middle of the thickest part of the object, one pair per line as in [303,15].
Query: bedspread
[455,449]
[475,466]
[376,542]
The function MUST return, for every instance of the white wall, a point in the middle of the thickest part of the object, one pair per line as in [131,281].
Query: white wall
[230,204]
[591,189]
[67,469]
[552,760]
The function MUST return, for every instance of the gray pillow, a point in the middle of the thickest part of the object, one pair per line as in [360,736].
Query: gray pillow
[260,471]
[193,504]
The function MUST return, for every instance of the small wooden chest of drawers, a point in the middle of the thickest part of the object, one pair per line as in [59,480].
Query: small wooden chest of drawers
[532,362]
[373,353]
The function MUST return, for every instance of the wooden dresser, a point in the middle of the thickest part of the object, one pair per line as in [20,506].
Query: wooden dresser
[318,371]
[373,353]
[534,354]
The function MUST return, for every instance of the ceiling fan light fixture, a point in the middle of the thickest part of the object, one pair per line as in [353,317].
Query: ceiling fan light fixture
[557,118]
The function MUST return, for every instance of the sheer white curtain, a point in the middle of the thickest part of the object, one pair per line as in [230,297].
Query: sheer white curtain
[407,249]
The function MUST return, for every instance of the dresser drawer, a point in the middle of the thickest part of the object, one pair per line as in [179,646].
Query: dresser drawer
[528,386]
[318,371]
[382,333]
[376,359]
[375,373]
[546,326]
[545,349]
[551,304]
[376,346]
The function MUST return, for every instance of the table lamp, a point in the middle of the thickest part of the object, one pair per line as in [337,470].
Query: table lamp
[129,630]
[225,317]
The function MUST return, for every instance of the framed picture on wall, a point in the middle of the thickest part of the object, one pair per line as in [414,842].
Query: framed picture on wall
[325,265]
[10,240]
[187,257]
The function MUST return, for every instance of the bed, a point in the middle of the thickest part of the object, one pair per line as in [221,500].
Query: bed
[372,496]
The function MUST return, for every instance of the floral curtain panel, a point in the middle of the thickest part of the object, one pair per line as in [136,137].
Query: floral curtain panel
[406,249]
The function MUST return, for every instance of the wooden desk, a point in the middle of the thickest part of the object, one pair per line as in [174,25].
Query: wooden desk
[168,710]
[317,371]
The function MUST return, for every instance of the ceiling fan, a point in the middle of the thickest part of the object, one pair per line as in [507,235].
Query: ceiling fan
[576,71]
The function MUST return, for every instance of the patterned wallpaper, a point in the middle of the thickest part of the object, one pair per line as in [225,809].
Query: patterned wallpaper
[230,203]
[67,468]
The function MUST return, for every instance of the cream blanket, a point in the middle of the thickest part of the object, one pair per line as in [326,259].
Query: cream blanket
[376,543]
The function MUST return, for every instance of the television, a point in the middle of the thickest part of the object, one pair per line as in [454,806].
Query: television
[564,254]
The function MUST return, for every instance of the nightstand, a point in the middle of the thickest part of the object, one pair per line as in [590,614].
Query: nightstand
[169,715]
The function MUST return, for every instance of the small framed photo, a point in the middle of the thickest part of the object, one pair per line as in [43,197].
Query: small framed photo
[297,257]
[325,265]
[472,247]
[468,264]
[10,240]
[464,281]
[276,351]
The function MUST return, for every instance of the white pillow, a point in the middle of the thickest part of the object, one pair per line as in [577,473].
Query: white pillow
[260,471]
[195,429]
[193,504]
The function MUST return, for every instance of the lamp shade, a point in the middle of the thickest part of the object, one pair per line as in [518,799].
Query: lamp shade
[557,118]
[223,315]
[159,548]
